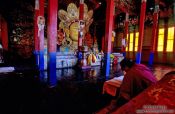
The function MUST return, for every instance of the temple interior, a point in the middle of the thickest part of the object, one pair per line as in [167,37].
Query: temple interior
[63,56]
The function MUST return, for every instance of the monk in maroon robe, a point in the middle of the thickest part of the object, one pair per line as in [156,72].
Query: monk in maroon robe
[137,78]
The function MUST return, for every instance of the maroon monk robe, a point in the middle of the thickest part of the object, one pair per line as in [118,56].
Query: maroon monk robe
[136,79]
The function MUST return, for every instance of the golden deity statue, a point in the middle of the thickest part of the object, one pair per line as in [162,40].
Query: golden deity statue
[70,25]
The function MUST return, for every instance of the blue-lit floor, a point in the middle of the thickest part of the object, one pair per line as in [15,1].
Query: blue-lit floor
[76,91]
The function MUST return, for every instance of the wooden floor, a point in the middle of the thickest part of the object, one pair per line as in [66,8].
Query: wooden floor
[77,92]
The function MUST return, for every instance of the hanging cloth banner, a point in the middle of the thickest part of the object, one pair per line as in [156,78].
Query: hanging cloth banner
[123,42]
[41,24]
[36,4]
[81,1]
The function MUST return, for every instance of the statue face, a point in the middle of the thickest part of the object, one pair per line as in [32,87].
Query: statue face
[74,31]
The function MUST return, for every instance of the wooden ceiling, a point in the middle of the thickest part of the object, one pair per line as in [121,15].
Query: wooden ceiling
[131,6]
[99,6]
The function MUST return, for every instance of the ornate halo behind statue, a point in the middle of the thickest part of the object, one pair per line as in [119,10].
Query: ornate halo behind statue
[70,24]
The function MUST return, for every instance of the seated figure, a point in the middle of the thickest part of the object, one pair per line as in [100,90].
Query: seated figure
[157,98]
[137,77]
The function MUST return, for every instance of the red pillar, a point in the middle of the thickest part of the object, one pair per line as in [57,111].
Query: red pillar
[108,34]
[113,28]
[80,32]
[81,10]
[164,55]
[165,34]
[134,38]
[141,31]
[36,40]
[154,34]
[4,34]
[174,24]
[0,27]
[81,15]
[36,25]
[125,35]
[52,35]
[128,43]
[52,24]
[41,34]
[154,31]
[103,44]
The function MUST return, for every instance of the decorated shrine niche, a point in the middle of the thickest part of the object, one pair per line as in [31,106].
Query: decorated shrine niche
[71,28]
[70,25]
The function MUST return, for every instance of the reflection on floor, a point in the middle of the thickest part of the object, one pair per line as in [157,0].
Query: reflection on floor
[76,92]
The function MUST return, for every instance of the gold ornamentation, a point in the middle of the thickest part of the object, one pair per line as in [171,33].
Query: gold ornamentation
[172,82]
[85,9]
[72,11]
[70,22]
[155,92]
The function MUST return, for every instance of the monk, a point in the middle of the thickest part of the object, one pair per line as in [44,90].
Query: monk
[137,77]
